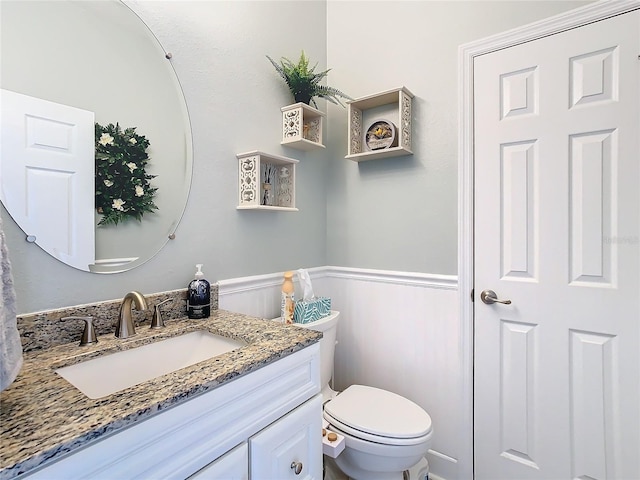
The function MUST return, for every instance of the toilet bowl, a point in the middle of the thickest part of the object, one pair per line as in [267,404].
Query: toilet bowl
[385,433]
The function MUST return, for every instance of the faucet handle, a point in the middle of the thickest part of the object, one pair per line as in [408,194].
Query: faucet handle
[157,321]
[89,332]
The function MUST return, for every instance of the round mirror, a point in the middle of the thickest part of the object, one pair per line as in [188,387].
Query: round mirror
[69,70]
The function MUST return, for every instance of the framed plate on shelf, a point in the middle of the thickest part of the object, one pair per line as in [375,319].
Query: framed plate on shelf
[381,134]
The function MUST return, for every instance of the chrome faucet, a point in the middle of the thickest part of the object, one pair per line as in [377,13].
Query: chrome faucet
[125,327]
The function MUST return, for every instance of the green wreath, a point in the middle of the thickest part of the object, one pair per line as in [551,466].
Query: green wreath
[123,190]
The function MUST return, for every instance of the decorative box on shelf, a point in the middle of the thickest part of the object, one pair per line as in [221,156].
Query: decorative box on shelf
[302,126]
[266,181]
[380,125]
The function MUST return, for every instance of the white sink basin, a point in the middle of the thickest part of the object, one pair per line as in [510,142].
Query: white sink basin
[111,373]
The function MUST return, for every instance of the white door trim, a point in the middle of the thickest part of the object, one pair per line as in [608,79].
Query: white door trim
[466,54]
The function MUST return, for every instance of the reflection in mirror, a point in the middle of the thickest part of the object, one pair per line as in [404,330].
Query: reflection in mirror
[99,61]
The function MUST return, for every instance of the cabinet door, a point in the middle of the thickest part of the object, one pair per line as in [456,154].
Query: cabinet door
[292,443]
[233,465]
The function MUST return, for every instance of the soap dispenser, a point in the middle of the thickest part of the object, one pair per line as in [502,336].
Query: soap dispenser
[199,296]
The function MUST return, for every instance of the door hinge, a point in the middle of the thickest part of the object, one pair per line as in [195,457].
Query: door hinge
[472,290]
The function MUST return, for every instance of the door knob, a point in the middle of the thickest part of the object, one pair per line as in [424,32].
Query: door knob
[489,297]
[296,467]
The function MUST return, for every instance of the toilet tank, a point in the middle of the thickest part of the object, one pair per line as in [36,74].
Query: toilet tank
[328,326]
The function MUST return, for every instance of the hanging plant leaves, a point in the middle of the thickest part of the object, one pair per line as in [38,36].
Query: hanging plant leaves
[123,188]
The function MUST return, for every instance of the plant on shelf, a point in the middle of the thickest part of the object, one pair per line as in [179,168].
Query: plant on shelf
[304,82]
[122,185]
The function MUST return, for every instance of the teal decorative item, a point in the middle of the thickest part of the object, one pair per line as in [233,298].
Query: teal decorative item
[307,311]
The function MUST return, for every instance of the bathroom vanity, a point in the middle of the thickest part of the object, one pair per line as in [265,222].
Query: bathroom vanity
[254,412]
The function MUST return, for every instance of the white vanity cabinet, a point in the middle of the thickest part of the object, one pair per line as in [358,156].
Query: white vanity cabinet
[289,447]
[251,427]
[233,465]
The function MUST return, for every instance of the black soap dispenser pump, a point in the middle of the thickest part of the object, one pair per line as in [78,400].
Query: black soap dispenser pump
[199,296]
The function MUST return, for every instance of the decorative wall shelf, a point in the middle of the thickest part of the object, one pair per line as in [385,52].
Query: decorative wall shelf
[256,170]
[390,106]
[302,127]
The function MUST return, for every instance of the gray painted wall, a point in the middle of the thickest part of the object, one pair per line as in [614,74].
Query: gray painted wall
[401,213]
[234,97]
[396,214]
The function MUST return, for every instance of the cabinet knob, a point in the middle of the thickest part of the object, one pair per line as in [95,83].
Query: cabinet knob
[296,467]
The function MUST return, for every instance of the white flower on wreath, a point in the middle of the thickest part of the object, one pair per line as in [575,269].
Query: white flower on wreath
[117,204]
[133,141]
[105,139]
[139,191]
[108,183]
[132,166]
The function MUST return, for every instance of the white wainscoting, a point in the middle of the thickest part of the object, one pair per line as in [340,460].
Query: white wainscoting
[398,330]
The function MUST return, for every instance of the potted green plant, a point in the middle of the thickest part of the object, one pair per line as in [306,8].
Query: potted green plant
[304,82]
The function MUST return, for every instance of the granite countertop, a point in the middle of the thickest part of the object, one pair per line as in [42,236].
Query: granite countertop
[42,416]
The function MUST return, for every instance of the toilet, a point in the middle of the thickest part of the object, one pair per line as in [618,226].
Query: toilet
[385,433]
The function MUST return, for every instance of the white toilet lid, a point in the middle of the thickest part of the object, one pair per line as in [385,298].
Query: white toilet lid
[368,410]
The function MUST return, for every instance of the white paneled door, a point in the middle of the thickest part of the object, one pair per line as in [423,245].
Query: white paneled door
[557,233]
[47,175]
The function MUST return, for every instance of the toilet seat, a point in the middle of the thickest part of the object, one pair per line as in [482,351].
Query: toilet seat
[364,412]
